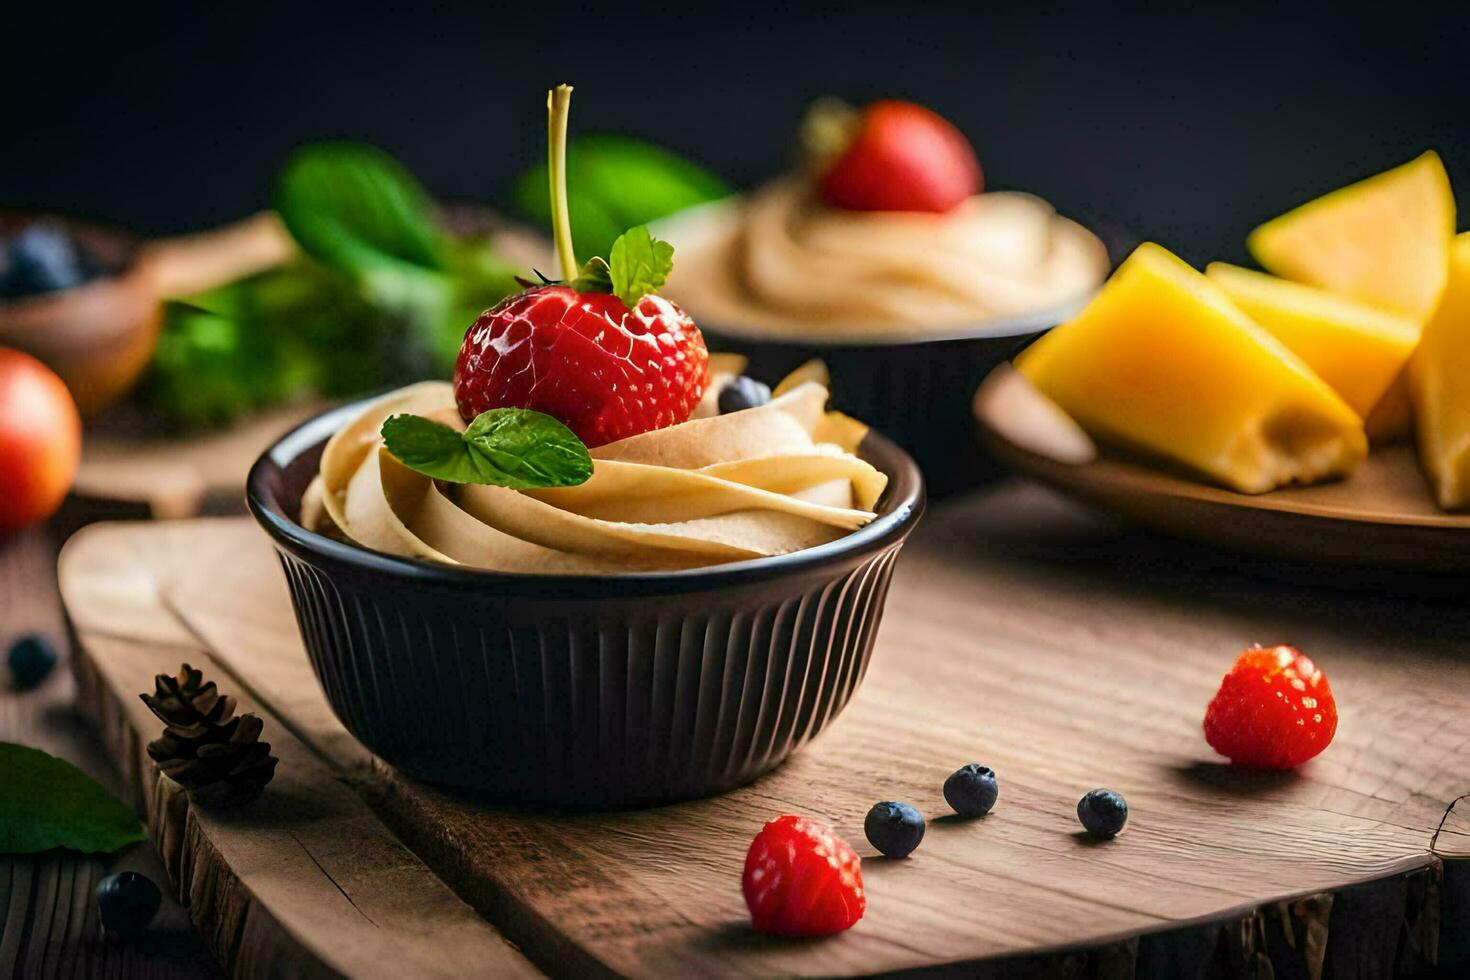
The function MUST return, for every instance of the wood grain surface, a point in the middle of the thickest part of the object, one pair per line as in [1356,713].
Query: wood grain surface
[307,881]
[1026,635]
[168,476]
[48,919]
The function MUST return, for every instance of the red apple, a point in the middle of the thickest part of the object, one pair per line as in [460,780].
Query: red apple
[40,440]
[903,158]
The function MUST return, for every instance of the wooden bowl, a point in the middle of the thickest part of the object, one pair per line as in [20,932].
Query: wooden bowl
[1380,516]
[98,336]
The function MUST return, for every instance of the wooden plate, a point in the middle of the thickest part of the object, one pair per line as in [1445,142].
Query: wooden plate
[1381,515]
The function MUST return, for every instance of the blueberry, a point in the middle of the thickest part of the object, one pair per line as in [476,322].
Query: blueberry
[42,259]
[742,393]
[895,829]
[30,659]
[1103,813]
[127,903]
[971,790]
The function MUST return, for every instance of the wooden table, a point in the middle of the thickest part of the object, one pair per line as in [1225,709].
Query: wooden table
[48,921]
[1093,652]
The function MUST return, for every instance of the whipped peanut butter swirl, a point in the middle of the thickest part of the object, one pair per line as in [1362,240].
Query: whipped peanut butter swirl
[781,261]
[715,489]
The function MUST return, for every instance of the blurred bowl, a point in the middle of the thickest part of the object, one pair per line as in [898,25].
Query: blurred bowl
[97,336]
[914,386]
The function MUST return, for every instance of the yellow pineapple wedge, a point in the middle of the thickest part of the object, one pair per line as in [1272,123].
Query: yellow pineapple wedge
[1439,383]
[1357,349]
[1383,241]
[1162,362]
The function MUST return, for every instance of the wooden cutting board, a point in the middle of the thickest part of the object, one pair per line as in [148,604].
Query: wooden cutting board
[1022,634]
[306,882]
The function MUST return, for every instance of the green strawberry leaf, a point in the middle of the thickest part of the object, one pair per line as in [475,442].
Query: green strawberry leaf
[638,265]
[504,447]
[595,277]
[46,802]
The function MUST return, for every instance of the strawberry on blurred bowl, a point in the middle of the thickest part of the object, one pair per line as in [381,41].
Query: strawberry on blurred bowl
[885,255]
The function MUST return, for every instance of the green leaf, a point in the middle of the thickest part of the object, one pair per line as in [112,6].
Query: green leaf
[46,803]
[638,265]
[355,208]
[595,277]
[379,297]
[504,447]
[614,183]
[264,340]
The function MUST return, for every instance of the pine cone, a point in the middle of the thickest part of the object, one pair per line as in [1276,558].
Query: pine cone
[218,758]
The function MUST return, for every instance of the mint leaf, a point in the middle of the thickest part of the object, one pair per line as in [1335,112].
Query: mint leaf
[505,447]
[46,803]
[639,264]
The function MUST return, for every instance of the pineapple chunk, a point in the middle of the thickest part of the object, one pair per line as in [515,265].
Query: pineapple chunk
[1439,382]
[1356,349]
[1161,361]
[1384,240]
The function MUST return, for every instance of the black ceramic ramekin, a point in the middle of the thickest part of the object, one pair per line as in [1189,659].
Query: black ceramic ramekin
[918,392]
[585,691]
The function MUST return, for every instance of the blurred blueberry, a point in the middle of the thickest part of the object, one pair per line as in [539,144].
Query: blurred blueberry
[742,393]
[30,658]
[43,259]
[127,903]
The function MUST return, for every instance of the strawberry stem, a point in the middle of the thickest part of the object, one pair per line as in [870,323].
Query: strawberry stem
[558,107]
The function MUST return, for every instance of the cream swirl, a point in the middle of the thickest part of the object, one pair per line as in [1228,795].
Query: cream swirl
[714,489]
[784,262]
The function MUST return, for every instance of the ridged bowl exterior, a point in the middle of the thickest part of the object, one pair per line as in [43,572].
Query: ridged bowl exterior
[586,691]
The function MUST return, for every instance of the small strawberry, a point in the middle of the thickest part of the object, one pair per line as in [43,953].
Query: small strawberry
[801,879]
[1274,710]
[599,351]
[902,157]
[605,370]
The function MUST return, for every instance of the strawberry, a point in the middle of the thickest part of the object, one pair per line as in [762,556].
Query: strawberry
[1274,710]
[599,351]
[902,158]
[585,358]
[801,879]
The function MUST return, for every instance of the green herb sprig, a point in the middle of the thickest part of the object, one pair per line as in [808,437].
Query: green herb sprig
[504,447]
[380,295]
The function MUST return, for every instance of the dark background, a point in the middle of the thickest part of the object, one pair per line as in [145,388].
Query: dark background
[1189,127]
